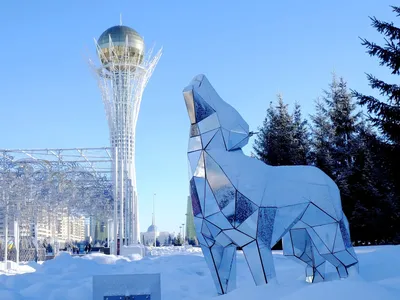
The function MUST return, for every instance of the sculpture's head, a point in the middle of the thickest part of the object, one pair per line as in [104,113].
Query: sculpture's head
[208,112]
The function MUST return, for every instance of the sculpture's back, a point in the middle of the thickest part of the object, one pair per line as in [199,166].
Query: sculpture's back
[239,201]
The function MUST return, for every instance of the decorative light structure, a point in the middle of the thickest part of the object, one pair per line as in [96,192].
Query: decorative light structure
[122,77]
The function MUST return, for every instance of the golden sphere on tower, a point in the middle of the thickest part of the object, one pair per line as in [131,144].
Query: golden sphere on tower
[121,47]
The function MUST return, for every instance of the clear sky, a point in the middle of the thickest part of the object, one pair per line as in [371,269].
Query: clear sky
[250,51]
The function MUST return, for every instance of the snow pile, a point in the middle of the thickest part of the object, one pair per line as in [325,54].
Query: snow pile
[14,269]
[171,250]
[184,275]
[134,251]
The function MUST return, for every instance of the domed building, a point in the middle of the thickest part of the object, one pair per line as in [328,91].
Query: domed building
[147,238]
[152,228]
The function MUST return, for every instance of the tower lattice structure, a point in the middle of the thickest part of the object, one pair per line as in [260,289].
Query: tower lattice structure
[122,77]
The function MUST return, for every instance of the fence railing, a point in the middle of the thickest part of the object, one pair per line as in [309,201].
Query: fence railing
[25,255]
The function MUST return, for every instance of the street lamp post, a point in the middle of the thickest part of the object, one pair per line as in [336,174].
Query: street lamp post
[183,233]
[180,231]
[187,229]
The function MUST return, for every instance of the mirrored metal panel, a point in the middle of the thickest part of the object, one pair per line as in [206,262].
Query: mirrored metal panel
[244,208]
[206,137]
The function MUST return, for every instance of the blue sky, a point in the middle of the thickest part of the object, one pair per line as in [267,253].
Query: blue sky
[250,51]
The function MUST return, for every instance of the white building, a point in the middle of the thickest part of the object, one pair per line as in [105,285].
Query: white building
[147,238]
[75,225]
[51,226]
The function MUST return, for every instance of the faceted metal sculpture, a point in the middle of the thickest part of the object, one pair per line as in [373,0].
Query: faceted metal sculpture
[239,201]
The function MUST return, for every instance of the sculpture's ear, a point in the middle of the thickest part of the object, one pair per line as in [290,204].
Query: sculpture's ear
[198,109]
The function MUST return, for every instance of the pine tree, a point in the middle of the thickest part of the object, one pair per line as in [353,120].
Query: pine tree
[344,121]
[374,216]
[284,138]
[264,143]
[178,240]
[284,133]
[385,115]
[279,140]
[322,135]
[301,149]
[169,240]
[334,137]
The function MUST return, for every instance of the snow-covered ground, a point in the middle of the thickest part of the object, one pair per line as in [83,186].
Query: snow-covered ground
[184,275]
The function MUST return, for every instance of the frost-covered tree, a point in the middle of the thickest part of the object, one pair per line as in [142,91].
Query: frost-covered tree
[344,121]
[301,147]
[335,137]
[283,138]
[335,130]
[322,135]
[178,241]
[264,143]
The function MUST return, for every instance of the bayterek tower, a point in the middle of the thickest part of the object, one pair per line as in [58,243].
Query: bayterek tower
[123,74]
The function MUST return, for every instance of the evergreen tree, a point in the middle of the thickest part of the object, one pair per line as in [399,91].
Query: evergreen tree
[169,240]
[301,149]
[283,138]
[335,137]
[322,135]
[283,131]
[344,122]
[178,241]
[385,115]
[264,143]
[192,242]
[375,213]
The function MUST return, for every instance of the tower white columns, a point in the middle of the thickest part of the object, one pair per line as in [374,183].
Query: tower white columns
[122,78]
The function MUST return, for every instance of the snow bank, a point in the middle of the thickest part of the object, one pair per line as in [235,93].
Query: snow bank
[14,269]
[184,275]
[135,251]
[171,250]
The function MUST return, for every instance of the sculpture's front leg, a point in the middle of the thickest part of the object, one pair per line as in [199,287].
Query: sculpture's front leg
[221,260]
[222,263]
[260,262]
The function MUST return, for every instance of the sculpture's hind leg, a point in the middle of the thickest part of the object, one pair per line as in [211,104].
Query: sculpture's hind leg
[329,242]
[298,243]
[222,263]
[343,256]
[260,262]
